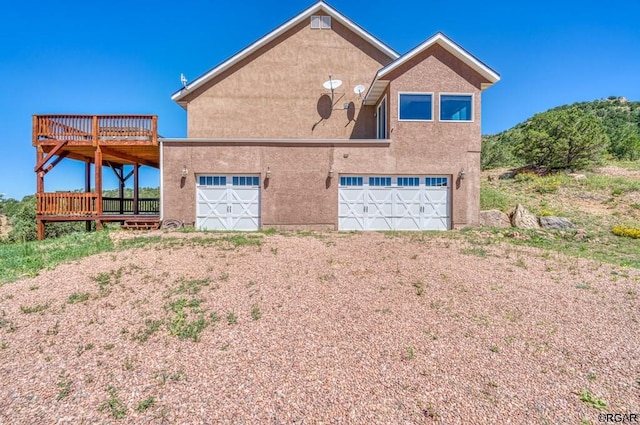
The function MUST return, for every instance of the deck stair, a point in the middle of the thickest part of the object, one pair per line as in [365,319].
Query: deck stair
[141,224]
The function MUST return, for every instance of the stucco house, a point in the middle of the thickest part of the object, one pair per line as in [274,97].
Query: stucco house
[320,125]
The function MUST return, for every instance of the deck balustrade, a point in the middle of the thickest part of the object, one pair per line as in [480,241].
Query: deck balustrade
[95,127]
[85,204]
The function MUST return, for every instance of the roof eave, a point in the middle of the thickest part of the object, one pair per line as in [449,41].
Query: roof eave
[439,38]
[321,5]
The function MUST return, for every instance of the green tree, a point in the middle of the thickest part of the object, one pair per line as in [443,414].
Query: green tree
[497,149]
[562,139]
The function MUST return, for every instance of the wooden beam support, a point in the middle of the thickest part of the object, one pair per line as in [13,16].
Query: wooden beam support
[39,174]
[55,162]
[40,164]
[136,183]
[117,171]
[98,183]
[41,229]
[87,188]
[132,158]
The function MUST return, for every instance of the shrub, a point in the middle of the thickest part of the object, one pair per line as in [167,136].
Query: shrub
[562,139]
[626,231]
[549,184]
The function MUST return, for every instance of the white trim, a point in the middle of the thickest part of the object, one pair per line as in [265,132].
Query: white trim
[449,45]
[319,6]
[280,142]
[161,180]
[452,48]
[418,93]
[473,108]
[386,120]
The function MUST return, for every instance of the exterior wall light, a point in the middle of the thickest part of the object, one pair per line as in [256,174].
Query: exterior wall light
[330,175]
[267,175]
[185,171]
[462,174]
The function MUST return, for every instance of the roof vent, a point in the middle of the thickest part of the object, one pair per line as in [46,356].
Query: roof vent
[321,22]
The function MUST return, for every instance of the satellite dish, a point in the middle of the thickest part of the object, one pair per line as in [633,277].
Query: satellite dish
[359,89]
[183,80]
[332,84]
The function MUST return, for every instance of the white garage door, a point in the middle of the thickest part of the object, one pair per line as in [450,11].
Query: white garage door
[228,202]
[393,203]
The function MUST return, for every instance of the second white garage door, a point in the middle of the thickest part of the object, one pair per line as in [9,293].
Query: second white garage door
[393,203]
[228,202]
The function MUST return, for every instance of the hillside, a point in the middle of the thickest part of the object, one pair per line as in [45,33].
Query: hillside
[619,118]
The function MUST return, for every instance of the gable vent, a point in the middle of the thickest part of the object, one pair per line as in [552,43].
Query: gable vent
[321,22]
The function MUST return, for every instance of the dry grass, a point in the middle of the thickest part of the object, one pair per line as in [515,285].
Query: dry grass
[333,328]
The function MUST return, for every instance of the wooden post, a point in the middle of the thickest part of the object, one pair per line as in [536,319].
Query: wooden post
[39,190]
[154,130]
[34,131]
[94,130]
[98,188]
[136,182]
[87,188]
[121,188]
[41,230]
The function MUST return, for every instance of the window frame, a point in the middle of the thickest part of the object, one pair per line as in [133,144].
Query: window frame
[320,22]
[400,93]
[471,103]
[386,121]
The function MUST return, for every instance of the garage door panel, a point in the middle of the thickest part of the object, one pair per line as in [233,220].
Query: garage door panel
[380,223]
[244,223]
[394,203]
[228,206]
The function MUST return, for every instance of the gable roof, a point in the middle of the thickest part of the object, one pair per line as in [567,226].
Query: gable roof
[317,7]
[379,83]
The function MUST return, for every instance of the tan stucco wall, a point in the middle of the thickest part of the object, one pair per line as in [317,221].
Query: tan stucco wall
[446,146]
[278,93]
[275,96]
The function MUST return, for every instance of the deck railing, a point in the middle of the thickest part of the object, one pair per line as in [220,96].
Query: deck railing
[95,127]
[125,206]
[66,203]
[81,203]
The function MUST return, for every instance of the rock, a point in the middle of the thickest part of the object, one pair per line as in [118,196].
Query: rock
[523,219]
[556,223]
[577,176]
[494,218]
[581,235]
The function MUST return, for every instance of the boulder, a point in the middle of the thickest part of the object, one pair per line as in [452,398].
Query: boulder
[555,223]
[494,218]
[523,219]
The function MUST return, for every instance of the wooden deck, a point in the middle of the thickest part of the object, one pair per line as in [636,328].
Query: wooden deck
[115,141]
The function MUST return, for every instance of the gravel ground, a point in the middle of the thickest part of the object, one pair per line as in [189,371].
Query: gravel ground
[329,328]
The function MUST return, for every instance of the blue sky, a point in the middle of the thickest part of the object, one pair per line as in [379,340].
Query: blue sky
[125,57]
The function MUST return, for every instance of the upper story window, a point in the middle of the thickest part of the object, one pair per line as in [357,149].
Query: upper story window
[415,107]
[321,22]
[456,107]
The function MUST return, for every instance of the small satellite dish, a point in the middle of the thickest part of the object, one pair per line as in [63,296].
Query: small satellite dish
[359,89]
[332,84]
[183,80]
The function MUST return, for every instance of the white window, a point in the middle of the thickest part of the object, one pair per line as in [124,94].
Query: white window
[415,107]
[381,119]
[320,22]
[456,107]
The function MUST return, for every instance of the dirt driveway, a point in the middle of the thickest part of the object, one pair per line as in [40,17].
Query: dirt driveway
[331,328]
